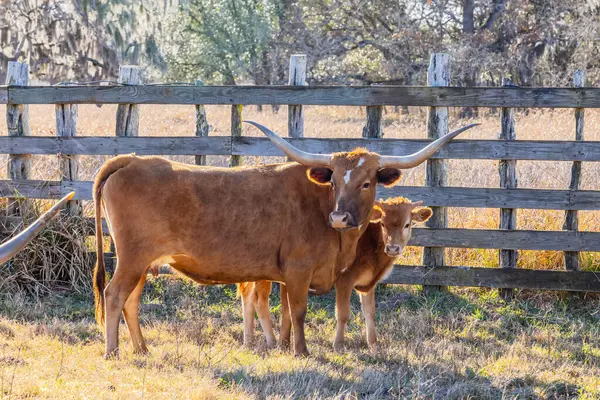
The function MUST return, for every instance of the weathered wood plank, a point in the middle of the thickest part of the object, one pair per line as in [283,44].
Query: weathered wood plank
[66,126]
[457,149]
[512,240]
[436,196]
[438,74]
[3,94]
[315,95]
[297,77]
[216,145]
[202,127]
[496,278]
[498,198]
[256,146]
[508,180]
[236,131]
[128,115]
[373,127]
[17,122]
[571,217]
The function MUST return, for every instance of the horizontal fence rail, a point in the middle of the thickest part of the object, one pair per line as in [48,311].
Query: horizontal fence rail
[306,95]
[256,146]
[439,196]
[496,278]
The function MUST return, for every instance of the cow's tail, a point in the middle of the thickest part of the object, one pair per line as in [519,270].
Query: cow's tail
[107,170]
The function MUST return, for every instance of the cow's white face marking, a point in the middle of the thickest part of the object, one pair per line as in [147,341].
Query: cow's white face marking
[347,176]
[360,162]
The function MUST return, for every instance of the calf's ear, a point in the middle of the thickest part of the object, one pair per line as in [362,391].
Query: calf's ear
[421,214]
[377,213]
[319,175]
[388,176]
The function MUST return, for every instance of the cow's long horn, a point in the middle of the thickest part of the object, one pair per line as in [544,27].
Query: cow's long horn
[302,157]
[417,158]
[14,245]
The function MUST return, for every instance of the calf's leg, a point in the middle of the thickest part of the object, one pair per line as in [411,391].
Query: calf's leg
[248,296]
[262,291]
[367,301]
[285,331]
[343,293]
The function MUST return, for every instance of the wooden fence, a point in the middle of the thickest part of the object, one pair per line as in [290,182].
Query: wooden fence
[130,94]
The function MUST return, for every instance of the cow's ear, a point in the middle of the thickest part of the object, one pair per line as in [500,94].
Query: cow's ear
[319,175]
[421,214]
[388,176]
[376,214]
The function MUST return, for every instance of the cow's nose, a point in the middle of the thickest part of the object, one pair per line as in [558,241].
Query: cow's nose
[393,250]
[341,220]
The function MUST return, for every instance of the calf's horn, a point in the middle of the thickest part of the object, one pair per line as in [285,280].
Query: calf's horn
[412,160]
[14,245]
[302,157]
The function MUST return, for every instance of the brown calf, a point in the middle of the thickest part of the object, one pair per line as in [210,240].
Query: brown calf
[386,237]
[231,225]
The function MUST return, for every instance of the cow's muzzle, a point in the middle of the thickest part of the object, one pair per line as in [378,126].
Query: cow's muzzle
[342,220]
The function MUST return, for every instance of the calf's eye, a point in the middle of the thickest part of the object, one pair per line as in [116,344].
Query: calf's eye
[366,185]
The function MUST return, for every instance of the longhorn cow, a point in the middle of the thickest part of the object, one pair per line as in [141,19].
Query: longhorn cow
[231,225]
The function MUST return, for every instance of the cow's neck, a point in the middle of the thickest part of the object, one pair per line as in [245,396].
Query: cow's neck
[348,242]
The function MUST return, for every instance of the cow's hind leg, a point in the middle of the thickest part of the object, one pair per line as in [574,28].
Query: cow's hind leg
[131,313]
[263,290]
[126,278]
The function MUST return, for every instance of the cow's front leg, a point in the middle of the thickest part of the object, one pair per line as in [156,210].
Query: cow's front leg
[367,301]
[297,292]
[342,313]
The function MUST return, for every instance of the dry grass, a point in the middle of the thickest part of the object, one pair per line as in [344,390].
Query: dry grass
[58,257]
[347,122]
[462,345]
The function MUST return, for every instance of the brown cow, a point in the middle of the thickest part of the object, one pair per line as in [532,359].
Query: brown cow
[11,247]
[386,237]
[231,225]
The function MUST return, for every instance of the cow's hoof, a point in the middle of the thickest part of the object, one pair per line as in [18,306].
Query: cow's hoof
[302,354]
[141,351]
[339,347]
[112,355]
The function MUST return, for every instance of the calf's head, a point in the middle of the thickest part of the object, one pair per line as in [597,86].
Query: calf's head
[397,217]
[354,175]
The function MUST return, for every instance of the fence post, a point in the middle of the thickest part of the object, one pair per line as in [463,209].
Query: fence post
[66,126]
[236,131]
[202,126]
[17,121]
[296,112]
[128,115]
[508,180]
[372,128]
[571,217]
[438,74]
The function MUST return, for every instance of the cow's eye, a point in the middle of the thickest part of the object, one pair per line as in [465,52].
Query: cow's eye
[407,226]
[382,225]
[366,185]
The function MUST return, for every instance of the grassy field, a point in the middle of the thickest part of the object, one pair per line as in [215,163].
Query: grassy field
[462,344]
[465,344]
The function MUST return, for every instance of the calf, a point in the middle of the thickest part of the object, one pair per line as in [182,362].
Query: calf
[384,239]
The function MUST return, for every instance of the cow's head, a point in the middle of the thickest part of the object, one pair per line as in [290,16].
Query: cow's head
[354,175]
[397,217]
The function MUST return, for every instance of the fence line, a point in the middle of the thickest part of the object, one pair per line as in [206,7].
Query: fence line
[435,239]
